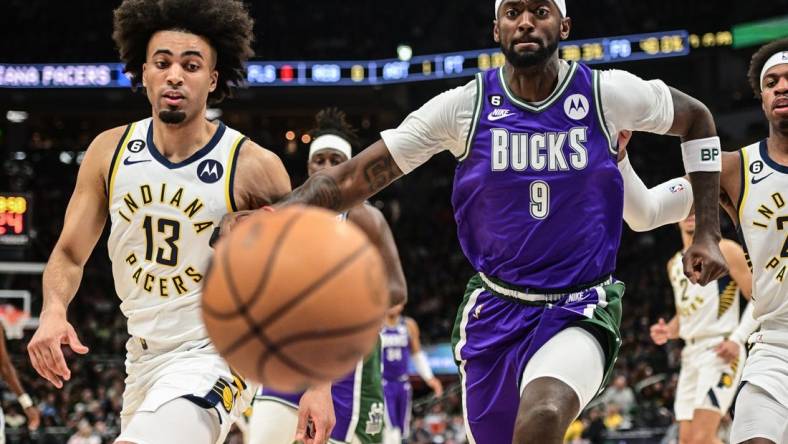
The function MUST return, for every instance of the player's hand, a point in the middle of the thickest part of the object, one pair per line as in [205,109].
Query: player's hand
[623,140]
[33,417]
[316,411]
[728,350]
[436,386]
[44,348]
[230,220]
[703,261]
[660,332]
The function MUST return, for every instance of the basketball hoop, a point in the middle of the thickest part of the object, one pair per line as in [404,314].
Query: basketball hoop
[13,320]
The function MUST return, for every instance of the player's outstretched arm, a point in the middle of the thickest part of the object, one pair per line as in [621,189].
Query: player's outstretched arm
[648,208]
[693,122]
[374,224]
[349,183]
[669,202]
[420,358]
[630,103]
[9,376]
[84,222]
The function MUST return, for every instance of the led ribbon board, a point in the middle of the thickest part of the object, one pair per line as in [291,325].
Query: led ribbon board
[362,73]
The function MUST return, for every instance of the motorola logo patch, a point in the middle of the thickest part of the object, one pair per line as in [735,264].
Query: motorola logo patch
[210,171]
[576,106]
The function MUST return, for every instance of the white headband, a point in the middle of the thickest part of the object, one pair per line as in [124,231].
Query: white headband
[560,3]
[330,142]
[778,58]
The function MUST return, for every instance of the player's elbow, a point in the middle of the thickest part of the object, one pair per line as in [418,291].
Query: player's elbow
[699,120]
[65,255]
[639,227]
[641,221]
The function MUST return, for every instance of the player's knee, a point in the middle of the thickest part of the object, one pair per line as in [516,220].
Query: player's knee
[545,417]
[124,442]
[701,437]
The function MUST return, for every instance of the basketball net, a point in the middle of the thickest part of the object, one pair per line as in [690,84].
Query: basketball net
[13,320]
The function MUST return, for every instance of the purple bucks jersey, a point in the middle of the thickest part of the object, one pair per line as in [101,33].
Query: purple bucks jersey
[396,352]
[396,387]
[538,197]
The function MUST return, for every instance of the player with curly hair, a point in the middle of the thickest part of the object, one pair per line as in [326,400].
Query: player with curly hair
[358,398]
[165,182]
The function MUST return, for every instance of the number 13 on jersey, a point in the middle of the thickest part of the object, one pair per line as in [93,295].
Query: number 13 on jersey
[171,229]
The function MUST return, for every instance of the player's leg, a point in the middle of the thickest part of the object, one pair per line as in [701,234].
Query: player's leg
[397,405]
[759,419]
[179,420]
[488,348]
[685,431]
[684,404]
[705,424]
[2,427]
[391,432]
[560,379]
[715,389]
[272,423]
[408,412]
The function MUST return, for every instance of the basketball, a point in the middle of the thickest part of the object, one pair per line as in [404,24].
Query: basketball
[294,298]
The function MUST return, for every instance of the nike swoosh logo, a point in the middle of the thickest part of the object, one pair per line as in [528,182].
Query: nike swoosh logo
[492,117]
[128,161]
[757,180]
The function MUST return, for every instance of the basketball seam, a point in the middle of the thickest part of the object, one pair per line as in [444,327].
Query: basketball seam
[294,301]
[275,348]
[241,307]
[257,330]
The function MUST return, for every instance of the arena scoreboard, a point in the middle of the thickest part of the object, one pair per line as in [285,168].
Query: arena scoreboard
[15,219]
[606,50]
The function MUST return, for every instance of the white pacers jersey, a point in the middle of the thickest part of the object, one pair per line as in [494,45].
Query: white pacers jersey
[763,222]
[704,311]
[163,215]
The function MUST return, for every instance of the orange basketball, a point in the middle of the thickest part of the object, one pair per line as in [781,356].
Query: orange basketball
[295,297]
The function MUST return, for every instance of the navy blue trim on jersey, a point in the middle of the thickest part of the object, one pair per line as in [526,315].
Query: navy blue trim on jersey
[194,157]
[115,159]
[743,177]
[713,399]
[769,161]
[743,241]
[233,164]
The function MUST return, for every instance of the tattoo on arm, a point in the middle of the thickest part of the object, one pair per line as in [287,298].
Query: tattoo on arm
[380,173]
[346,185]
